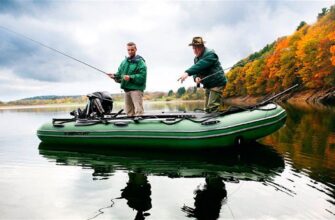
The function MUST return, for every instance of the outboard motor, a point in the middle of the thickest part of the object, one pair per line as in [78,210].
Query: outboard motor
[98,105]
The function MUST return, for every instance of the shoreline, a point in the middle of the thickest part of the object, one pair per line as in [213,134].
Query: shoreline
[5,107]
[9,107]
[311,97]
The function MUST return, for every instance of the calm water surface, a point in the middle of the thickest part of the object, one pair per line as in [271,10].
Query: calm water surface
[288,175]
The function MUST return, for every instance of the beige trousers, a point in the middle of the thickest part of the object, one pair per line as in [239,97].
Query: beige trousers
[134,103]
[214,99]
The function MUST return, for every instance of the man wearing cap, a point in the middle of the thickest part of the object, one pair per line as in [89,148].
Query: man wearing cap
[208,71]
[132,74]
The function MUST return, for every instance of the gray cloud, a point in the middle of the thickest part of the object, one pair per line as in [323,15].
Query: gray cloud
[29,60]
[20,8]
[13,48]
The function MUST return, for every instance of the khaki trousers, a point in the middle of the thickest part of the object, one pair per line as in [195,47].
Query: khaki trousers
[214,99]
[134,103]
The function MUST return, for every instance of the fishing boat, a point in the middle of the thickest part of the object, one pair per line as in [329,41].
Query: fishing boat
[97,126]
[187,130]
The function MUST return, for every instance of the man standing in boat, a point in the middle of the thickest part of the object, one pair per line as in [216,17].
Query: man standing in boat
[132,75]
[207,70]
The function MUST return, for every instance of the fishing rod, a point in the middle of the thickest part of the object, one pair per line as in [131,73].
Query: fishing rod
[53,49]
[276,96]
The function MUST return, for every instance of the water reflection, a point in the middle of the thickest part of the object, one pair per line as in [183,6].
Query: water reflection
[308,140]
[137,193]
[255,162]
[207,201]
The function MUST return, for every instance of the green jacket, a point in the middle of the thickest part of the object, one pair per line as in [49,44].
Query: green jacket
[136,69]
[207,64]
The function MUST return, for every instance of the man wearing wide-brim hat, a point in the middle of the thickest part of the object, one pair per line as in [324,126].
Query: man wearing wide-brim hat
[207,70]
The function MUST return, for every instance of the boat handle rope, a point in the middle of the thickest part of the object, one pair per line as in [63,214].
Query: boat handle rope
[86,122]
[167,122]
[59,122]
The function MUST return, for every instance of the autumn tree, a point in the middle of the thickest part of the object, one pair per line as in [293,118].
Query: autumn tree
[170,93]
[314,51]
[181,91]
[322,13]
[306,57]
[303,23]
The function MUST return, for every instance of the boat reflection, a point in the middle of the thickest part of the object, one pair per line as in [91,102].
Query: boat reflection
[254,162]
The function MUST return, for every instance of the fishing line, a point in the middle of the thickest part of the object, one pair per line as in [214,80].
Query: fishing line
[100,212]
[53,49]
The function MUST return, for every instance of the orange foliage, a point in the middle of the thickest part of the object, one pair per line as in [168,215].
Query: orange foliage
[307,56]
[332,51]
[331,37]
[273,64]
[315,54]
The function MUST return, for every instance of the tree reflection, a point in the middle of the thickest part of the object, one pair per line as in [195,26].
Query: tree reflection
[208,201]
[309,138]
[137,193]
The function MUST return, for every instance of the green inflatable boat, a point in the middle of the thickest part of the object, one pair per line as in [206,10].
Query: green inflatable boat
[191,130]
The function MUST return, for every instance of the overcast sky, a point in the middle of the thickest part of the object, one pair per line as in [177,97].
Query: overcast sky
[96,32]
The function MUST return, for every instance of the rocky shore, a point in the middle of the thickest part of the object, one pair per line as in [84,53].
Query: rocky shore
[319,97]
[324,97]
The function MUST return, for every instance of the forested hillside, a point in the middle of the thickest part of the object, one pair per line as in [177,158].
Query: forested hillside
[306,57]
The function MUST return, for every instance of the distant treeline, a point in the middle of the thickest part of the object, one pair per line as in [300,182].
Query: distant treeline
[53,99]
[182,93]
[191,93]
[306,57]
[44,100]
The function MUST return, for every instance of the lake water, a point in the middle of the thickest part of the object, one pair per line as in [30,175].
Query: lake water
[287,175]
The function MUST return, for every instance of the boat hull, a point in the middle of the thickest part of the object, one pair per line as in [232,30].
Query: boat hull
[186,134]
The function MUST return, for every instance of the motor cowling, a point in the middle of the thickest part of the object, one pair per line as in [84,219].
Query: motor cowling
[98,105]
